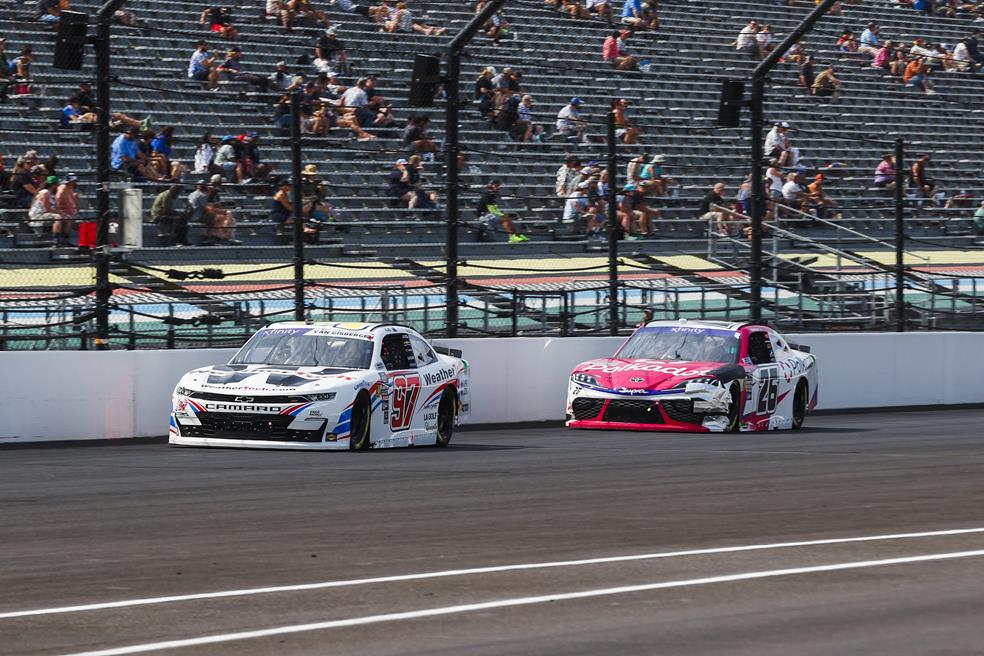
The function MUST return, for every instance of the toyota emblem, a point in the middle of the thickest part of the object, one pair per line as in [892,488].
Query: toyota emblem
[637,380]
[244,399]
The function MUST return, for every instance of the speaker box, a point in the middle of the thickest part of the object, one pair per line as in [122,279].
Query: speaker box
[729,109]
[426,77]
[70,41]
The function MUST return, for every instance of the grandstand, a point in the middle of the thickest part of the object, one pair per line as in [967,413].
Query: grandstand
[517,287]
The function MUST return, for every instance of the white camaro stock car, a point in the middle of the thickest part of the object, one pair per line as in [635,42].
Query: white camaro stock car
[324,386]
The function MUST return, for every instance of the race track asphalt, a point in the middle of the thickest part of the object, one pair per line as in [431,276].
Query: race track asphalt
[96,525]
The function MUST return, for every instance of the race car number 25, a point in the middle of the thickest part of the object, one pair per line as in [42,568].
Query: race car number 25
[406,389]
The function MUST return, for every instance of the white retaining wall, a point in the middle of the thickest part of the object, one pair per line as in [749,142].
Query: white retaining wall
[77,395]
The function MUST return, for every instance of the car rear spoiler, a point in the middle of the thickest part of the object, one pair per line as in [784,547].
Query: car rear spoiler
[799,347]
[444,350]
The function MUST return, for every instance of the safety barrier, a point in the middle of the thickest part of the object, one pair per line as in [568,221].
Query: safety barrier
[79,395]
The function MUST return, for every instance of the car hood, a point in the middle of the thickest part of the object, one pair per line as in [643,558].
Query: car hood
[623,374]
[270,379]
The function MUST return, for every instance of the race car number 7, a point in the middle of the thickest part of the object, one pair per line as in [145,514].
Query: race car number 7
[406,389]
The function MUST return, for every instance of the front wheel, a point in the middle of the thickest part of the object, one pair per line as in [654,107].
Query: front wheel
[799,405]
[447,410]
[359,424]
[734,409]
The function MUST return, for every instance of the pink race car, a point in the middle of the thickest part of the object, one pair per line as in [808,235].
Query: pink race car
[706,376]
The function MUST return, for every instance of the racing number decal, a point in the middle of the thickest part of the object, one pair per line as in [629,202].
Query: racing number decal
[406,389]
[769,391]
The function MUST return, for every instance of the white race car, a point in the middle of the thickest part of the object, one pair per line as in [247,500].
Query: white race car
[324,386]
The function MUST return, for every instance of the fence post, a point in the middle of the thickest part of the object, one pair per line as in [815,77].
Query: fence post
[613,232]
[296,201]
[899,235]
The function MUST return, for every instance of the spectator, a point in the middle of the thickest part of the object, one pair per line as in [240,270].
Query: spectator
[816,198]
[615,52]
[282,81]
[747,42]
[793,194]
[765,40]
[278,10]
[827,85]
[806,74]
[172,225]
[586,203]
[227,159]
[632,14]
[601,8]
[922,184]
[220,222]
[707,212]
[489,213]
[160,149]
[383,12]
[495,27]
[6,75]
[26,179]
[50,12]
[201,66]
[570,125]
[232,68]
[919,49]
[917,76]
[624,130]
[20,66]
[126,156]
[327,50]
[71,114]
[281,208]
[508,115]
[847,42]
[979,220]
[778,145]
[774,181]
[898,63]
[219,21]
[634,212]
[205,155]
[869,40]
[402,21]
[486,105]
[404,185]
[67,202]
[571,7]
[416,138]
[531,131]
[971,41]
[885,173]
[883,58]
[308,13]
[962,60]
[44,207]
[249,154]
[567,176]
[351,7]
[484,81]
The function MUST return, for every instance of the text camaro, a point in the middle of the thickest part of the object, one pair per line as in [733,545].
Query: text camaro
[704,376]
[324,386]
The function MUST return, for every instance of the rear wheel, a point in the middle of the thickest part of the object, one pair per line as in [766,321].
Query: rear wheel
[446,411]
[734,409]
[359,426]
[799,405]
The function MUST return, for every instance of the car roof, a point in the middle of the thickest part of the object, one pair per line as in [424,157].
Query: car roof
[717,325]
[348,326]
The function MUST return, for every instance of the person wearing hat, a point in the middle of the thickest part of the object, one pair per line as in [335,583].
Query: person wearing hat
[327,49]
[232,69]
[567,176]
[44,207]
[228,159]
[282,81]
[778,146]
[67,202]
[483,82]
[654,172]
[570,125]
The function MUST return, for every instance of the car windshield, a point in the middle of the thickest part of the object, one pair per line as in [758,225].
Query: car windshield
[682,343]
[298,347]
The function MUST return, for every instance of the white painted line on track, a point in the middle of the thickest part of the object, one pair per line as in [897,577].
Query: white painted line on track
[301,587]
[518,601]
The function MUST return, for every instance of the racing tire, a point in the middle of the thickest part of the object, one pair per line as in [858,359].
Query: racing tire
[800,400]
[734,410]
[446,410]
[360,423]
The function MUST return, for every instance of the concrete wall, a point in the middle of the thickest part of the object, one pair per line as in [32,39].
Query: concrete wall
[50,395]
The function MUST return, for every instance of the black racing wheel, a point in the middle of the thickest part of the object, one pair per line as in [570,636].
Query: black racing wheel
[447,409]
[360,421]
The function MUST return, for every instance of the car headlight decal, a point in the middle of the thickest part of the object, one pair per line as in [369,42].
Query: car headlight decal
[584,379]
[184,391]
[321,396]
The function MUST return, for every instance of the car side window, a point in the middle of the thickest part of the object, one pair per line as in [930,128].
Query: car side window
[422,351]
[759,348]
[396,352]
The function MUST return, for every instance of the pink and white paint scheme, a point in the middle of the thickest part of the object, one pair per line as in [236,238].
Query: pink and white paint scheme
[707,376]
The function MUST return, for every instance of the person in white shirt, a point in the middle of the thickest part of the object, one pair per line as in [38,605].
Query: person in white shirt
[746,41]
[777,145]
[792,193]
[961,56]
[569,122]
[202,67]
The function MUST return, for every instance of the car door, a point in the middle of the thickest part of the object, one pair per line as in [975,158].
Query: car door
[434,374]
[764,379]
[790,370]
[397,356]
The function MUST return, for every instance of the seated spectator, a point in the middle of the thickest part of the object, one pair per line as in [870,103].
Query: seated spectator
[624,130]
[601,8]
[160,149]
[847,42]
[496,27]
[26,180]
[634,212]
[486,105]
[44,207]
[489,214]
[568,175]
[279,11]
[806,74]
[531,131]
[707,213]
[20,66]
[765,40]
[570,125]
[232,69]
[816,198]
[961,58]
[919,49]
[869,44]
[383,12]
[205,207]
[416,138]
[404,186]
[484,81]
[67,201]
[71,114]
[205,155]
[793,195]
[917,76]
[6,74]
[282,81]
[898,63]
[227,159]
[885,173]
[202,66]
[126,155]
[827,85]
[962,200]
[507,115]
[632,14]
[402,21]
[615,52]
[50,12]
[219,21]
[308,13]
[778,146]
[883,58]
[654,172]
[249,154]
[979,220]
[328,50]
[281,208]
[351,7]
[774,181]
[796,53]
[572,8]
[747,42]
[922,183]
[587,205]
[172,225]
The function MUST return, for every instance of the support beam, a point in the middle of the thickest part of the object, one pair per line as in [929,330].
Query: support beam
[613,228]
[900,235]
[296,201]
